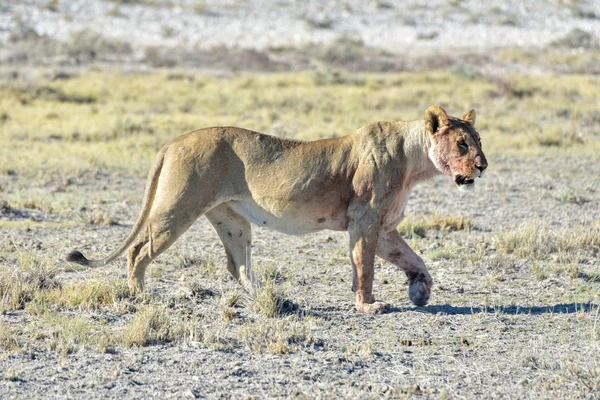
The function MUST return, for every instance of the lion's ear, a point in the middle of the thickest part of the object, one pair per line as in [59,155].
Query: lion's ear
[469,117]
[435,118]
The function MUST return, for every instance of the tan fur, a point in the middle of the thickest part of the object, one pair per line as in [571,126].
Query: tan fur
[358,183]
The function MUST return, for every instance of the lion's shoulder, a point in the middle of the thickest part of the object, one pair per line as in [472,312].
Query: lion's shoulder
[377,128]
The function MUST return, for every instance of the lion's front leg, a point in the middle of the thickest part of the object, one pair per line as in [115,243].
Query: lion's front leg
[363,244]
[391,247]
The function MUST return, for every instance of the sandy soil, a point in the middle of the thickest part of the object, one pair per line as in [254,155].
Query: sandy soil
[494,327]
[396,26]
[525,343]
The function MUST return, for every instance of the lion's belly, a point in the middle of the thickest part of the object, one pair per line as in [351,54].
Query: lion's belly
[293,219]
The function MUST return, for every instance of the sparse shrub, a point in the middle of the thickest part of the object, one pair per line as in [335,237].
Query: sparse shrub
[159,58]
[12,376]
[419,225]
[115,12]
[130,127]
[537,241]
[549,139]
[266,301]
[167,31]
[232,298]
[442,254]
[19,286]
[100,218]
[69,333]
[87,45]
[84,46]
[319,21]
[188,261]
[277,336]
[89,295]
[577,38]
[26,93]
[228,313]
[423,341]
[205,262]
[587,374]
[197,291]
[151,324]
[8,340]
[344,50]
[22,32]
[216,339]
[539,272]
[200,7]
[568,196]
[531,240]
[507,88]
[574,271]
[327,77]
[52,5]
[501,262]
[364,349]
[271,272]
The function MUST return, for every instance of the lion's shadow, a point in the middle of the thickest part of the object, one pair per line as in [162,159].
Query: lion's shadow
[448,309]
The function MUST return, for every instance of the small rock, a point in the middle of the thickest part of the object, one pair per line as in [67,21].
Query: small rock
[190,394]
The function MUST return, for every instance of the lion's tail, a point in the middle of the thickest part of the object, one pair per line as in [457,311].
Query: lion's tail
[149,194]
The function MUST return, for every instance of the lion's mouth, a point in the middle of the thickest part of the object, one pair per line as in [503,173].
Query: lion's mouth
[461,181]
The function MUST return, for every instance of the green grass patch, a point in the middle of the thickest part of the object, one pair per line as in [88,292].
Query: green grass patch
[117,121]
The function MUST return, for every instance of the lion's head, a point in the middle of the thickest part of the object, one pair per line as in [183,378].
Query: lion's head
[455,146]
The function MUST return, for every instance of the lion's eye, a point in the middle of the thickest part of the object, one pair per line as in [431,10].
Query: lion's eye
[463,144]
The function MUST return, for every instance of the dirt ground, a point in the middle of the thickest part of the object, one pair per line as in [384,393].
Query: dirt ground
[516,263]
[491,329]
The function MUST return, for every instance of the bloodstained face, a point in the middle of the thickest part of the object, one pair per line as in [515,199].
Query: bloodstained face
[456,146]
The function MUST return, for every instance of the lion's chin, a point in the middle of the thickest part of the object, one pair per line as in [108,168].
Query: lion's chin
[463,183]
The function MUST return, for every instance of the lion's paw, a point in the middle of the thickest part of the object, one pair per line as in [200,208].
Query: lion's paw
[418,293]
[377,307]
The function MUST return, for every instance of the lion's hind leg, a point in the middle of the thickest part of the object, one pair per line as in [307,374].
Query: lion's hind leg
[236,234]
[162,230]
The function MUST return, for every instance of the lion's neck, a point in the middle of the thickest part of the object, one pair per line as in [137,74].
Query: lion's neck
[416,148]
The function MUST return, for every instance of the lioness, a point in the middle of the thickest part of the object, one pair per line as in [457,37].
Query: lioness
[358,183]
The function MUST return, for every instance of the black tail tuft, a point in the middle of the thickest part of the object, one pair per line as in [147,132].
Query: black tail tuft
[76,257]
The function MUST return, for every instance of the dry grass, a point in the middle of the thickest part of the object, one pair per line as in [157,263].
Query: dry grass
[8,339]
[270,299]
[67,334]
[107,126]
[155,324]
[100,218]
[266,301]
[587,374]
[535,240]
[419,225]
[88,296]
[20,285]
[364,349]
[278,336]
[151,324]
[128,123]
